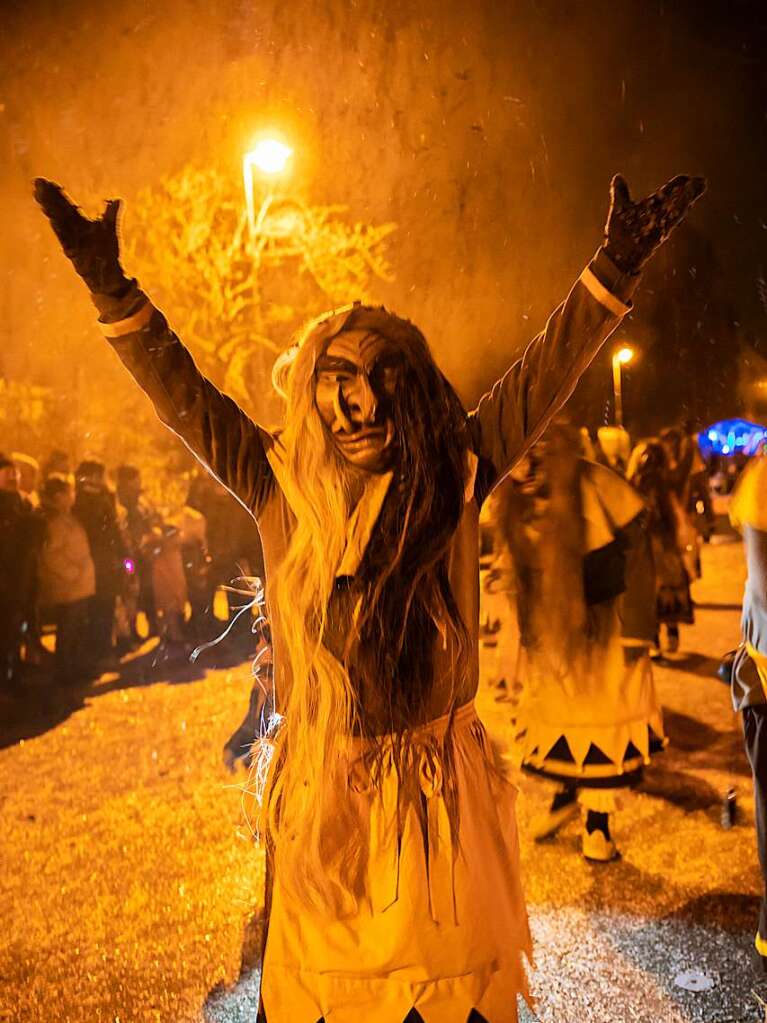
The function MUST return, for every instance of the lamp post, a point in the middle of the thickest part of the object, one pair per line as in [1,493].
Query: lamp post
[270,158]
[621,357]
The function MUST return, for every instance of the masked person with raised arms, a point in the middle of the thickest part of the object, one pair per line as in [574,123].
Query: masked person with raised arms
[391,839]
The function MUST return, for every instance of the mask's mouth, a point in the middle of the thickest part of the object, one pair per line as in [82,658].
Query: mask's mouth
[365,435]
[365,441]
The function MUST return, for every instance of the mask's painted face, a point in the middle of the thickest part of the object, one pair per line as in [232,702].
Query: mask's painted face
[356,381]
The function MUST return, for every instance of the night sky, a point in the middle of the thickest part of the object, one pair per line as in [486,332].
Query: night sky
[488,132]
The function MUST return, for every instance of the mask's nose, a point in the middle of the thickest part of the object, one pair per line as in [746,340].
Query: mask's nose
[362,400]
[341,411]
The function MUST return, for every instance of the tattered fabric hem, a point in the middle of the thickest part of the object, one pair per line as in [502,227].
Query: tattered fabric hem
[300,996]
[440,921]
[538,741]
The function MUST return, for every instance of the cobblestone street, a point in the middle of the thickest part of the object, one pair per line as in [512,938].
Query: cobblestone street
[130,886]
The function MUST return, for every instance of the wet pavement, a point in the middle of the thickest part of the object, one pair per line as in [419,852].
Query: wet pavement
[130,890]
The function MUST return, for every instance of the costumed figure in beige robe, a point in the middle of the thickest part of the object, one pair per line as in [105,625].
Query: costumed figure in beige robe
[688,479]
[671,535]
[585,710]
[394,887]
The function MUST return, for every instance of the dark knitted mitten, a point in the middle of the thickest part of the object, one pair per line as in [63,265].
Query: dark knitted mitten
[91,245]
[634,230]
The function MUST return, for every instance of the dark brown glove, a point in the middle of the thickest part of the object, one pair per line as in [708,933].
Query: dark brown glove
[634,230]
[91,245]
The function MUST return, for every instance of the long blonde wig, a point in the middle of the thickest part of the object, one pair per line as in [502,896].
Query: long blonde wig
[401,596]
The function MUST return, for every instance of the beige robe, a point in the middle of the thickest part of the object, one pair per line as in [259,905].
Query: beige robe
[402,951]
[607,698]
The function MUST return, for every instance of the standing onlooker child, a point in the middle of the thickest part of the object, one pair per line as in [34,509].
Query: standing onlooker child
[95,507]
[748,512]
[169,586]
[67,579]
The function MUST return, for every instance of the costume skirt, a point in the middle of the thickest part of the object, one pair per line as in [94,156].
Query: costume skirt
[439,923]
[596,728]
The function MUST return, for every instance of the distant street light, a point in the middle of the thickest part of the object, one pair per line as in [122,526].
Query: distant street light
[269,157]
[621,357]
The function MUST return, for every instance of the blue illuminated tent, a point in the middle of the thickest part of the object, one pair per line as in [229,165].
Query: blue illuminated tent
[732,436]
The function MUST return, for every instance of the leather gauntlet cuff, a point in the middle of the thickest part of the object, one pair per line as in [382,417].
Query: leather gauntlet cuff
[113,308]
[621,284]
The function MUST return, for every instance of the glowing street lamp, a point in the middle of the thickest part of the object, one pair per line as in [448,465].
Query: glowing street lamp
[270,158]
[621,357]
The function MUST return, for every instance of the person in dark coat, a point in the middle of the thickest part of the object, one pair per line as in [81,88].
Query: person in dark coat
[67,580]
[240,744]
[20,534]
[96,509]
[140,520]
[233,544]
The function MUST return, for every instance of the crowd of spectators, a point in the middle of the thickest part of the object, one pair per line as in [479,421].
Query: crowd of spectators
[90,570]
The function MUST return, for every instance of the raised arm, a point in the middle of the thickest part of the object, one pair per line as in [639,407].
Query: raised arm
[514,414]
[212,426]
